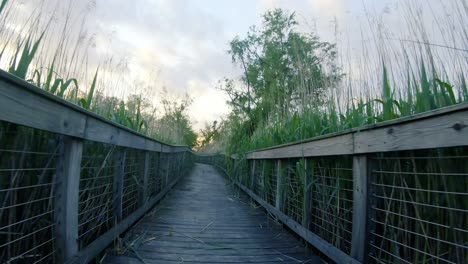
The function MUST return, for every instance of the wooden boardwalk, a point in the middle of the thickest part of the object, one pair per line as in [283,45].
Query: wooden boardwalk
[206,220]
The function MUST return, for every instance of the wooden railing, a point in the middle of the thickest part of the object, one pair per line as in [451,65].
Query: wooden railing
[71,181]
[395,192]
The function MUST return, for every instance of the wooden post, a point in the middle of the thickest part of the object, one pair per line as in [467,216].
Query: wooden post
[119,171]
[143,186]
[306,203]
[168,168]
[278,184]
[252,177]
[263,179]
[183,165]
[67,197]
[359,234]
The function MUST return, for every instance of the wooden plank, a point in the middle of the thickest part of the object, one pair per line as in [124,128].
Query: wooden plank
[92,250]
[446,127]
[24,104]
[252,175]
[448,130]
[339,145]
[326,248]
[144,182]
[359,234]
[307,209]
[67,197]
[279,182]
[206,220]
[119,172]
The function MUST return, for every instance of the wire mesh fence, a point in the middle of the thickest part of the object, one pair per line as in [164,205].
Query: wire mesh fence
[330,185]
[270,172]
[96,200]
[30,173]
[28,161]
[292,188]
[154,175]
[419,207]
[133,172]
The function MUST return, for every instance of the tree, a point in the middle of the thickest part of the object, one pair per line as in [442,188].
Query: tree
[283,70]
[210,134]
[174,125]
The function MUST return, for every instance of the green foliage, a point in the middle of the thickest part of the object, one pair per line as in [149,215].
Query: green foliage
[284,70]
[19,65]
[284,94]
[86,103]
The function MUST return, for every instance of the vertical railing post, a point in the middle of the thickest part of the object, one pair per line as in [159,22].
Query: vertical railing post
[263,180]
[252,176]
[142,187]
[306,208]
[119,171]
[168,168]
[278,184]
[359,233]
[184,168]
[67,197]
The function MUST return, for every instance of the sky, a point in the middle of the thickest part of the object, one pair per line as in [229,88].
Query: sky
[187,41]
[182,44]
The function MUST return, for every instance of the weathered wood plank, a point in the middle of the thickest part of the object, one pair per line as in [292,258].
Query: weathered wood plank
[340,145]
[279,182]
[67,196]
[446,127]
[195,223]
[145,164]
[449,130]
[119,171]
[24,104]
[329,250]
[359,234]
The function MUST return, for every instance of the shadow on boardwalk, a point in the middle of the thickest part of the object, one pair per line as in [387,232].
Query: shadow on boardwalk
[206,220]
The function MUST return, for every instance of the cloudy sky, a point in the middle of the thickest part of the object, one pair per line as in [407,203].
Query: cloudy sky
[188,40]
[182,44]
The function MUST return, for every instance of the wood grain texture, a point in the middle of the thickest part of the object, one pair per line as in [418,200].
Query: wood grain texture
[205,220]
[67,197]
[326,248]
[24,104]
[446,127]
[359,234]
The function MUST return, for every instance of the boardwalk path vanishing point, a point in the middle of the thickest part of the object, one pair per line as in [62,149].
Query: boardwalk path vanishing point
[206,220]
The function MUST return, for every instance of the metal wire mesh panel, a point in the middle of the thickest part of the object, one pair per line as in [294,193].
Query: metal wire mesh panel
[419,207]
[96,200]
[28,161]
[154,177]
[133,171]
[330,185]
[292,189]
[258,173]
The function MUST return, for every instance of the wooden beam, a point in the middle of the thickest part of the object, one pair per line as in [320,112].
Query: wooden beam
[252,175]
[307,194]
[24,104]
[279,182]
[143,186]
[67,197]
[360,185]
[119,172]
[446,127]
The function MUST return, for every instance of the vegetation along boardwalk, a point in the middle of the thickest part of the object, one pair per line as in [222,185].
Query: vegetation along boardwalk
[207,220]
